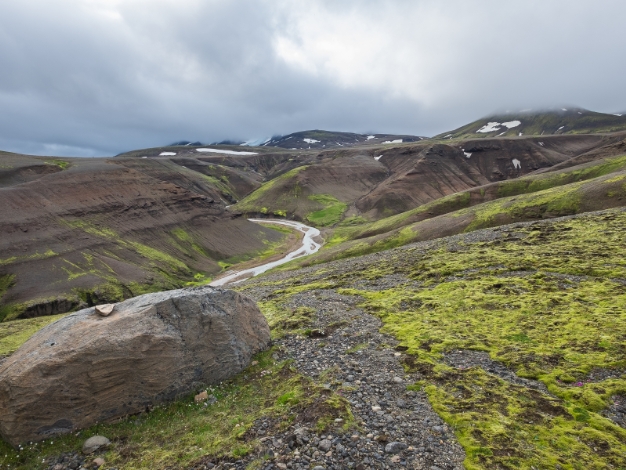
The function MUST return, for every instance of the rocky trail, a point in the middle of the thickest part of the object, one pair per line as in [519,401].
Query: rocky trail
[346,351]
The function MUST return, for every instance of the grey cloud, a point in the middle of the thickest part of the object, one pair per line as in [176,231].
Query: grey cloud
[97,77]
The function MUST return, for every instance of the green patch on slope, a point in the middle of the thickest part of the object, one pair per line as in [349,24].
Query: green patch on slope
[15,333]
[60,163]
[179,434]
[156,257]
[598,193]
[255,201]
[330,214]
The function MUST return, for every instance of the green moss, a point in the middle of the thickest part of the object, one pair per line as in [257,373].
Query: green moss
[37,255]
[549,304]
[11,311]
[354,220]
[178,434]
[6,282]
[185,237]
[148,252]
[332,212]
[60,163]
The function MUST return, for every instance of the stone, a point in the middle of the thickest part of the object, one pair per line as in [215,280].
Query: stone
[202,396]
[318,467]
[104,310]
[398,380]
[324,445]
[395,447]
[85,368]
[95,443]
[97,463]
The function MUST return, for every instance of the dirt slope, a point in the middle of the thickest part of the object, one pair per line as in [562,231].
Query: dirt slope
[104,229]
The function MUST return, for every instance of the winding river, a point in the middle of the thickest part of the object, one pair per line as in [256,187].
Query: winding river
[308,247]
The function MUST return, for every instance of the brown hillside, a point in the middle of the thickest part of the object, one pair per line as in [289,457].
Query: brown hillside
[104,229]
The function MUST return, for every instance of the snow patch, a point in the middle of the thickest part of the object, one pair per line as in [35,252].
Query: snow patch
[511,124]
[397,141]
[467,154]
[144,157]
[541,143]
[517,163]
[255,142]
[378,157]
[167,154]
[227,152]
[447,136]
[501,133]
[618,115]
[520,134]
[311,141]
[564,109]
[560,128]
[370,137]
[489,127]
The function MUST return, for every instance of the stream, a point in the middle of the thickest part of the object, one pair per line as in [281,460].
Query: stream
[308,247]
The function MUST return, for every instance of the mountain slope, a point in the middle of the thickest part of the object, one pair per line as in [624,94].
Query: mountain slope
[317,139]
[106,229]
[379,181]
[588,187]
[553,122]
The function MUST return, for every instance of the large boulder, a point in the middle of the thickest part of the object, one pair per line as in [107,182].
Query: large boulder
[87,368]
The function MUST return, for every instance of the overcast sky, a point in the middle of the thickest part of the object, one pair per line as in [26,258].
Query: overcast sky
[98,77]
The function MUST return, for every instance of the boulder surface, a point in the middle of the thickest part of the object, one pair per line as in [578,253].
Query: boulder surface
[86,368]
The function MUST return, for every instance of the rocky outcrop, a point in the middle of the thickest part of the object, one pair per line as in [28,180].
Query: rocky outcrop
[88,368]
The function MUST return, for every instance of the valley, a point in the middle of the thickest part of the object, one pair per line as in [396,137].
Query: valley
[434,303]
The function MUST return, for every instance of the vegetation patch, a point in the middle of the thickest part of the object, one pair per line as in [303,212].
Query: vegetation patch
[60,163]
[178,434]
[549,303]
[15,333]
[330,214]
[185,237]
[255,201]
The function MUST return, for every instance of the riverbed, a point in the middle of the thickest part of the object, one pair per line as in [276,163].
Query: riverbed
[307,247]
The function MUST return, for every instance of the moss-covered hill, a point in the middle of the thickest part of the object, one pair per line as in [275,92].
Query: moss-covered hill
[545,299]
[558,121]
[591,186]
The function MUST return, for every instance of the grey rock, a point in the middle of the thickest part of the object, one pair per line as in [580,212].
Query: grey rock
[95,443]
[395,447]
[153,349]
[324,445]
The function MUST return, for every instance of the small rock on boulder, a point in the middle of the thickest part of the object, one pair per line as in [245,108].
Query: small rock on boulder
[105,310]
[86,368]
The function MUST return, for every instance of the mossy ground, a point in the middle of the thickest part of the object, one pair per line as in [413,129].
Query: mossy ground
[14,333]
[548,301]
[330,214]
[184,432]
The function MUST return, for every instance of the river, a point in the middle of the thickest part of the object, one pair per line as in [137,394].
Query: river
[308,247]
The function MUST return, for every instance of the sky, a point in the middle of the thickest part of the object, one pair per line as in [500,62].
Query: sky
[99,77]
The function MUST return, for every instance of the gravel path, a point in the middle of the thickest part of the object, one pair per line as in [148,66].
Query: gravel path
[399,428]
